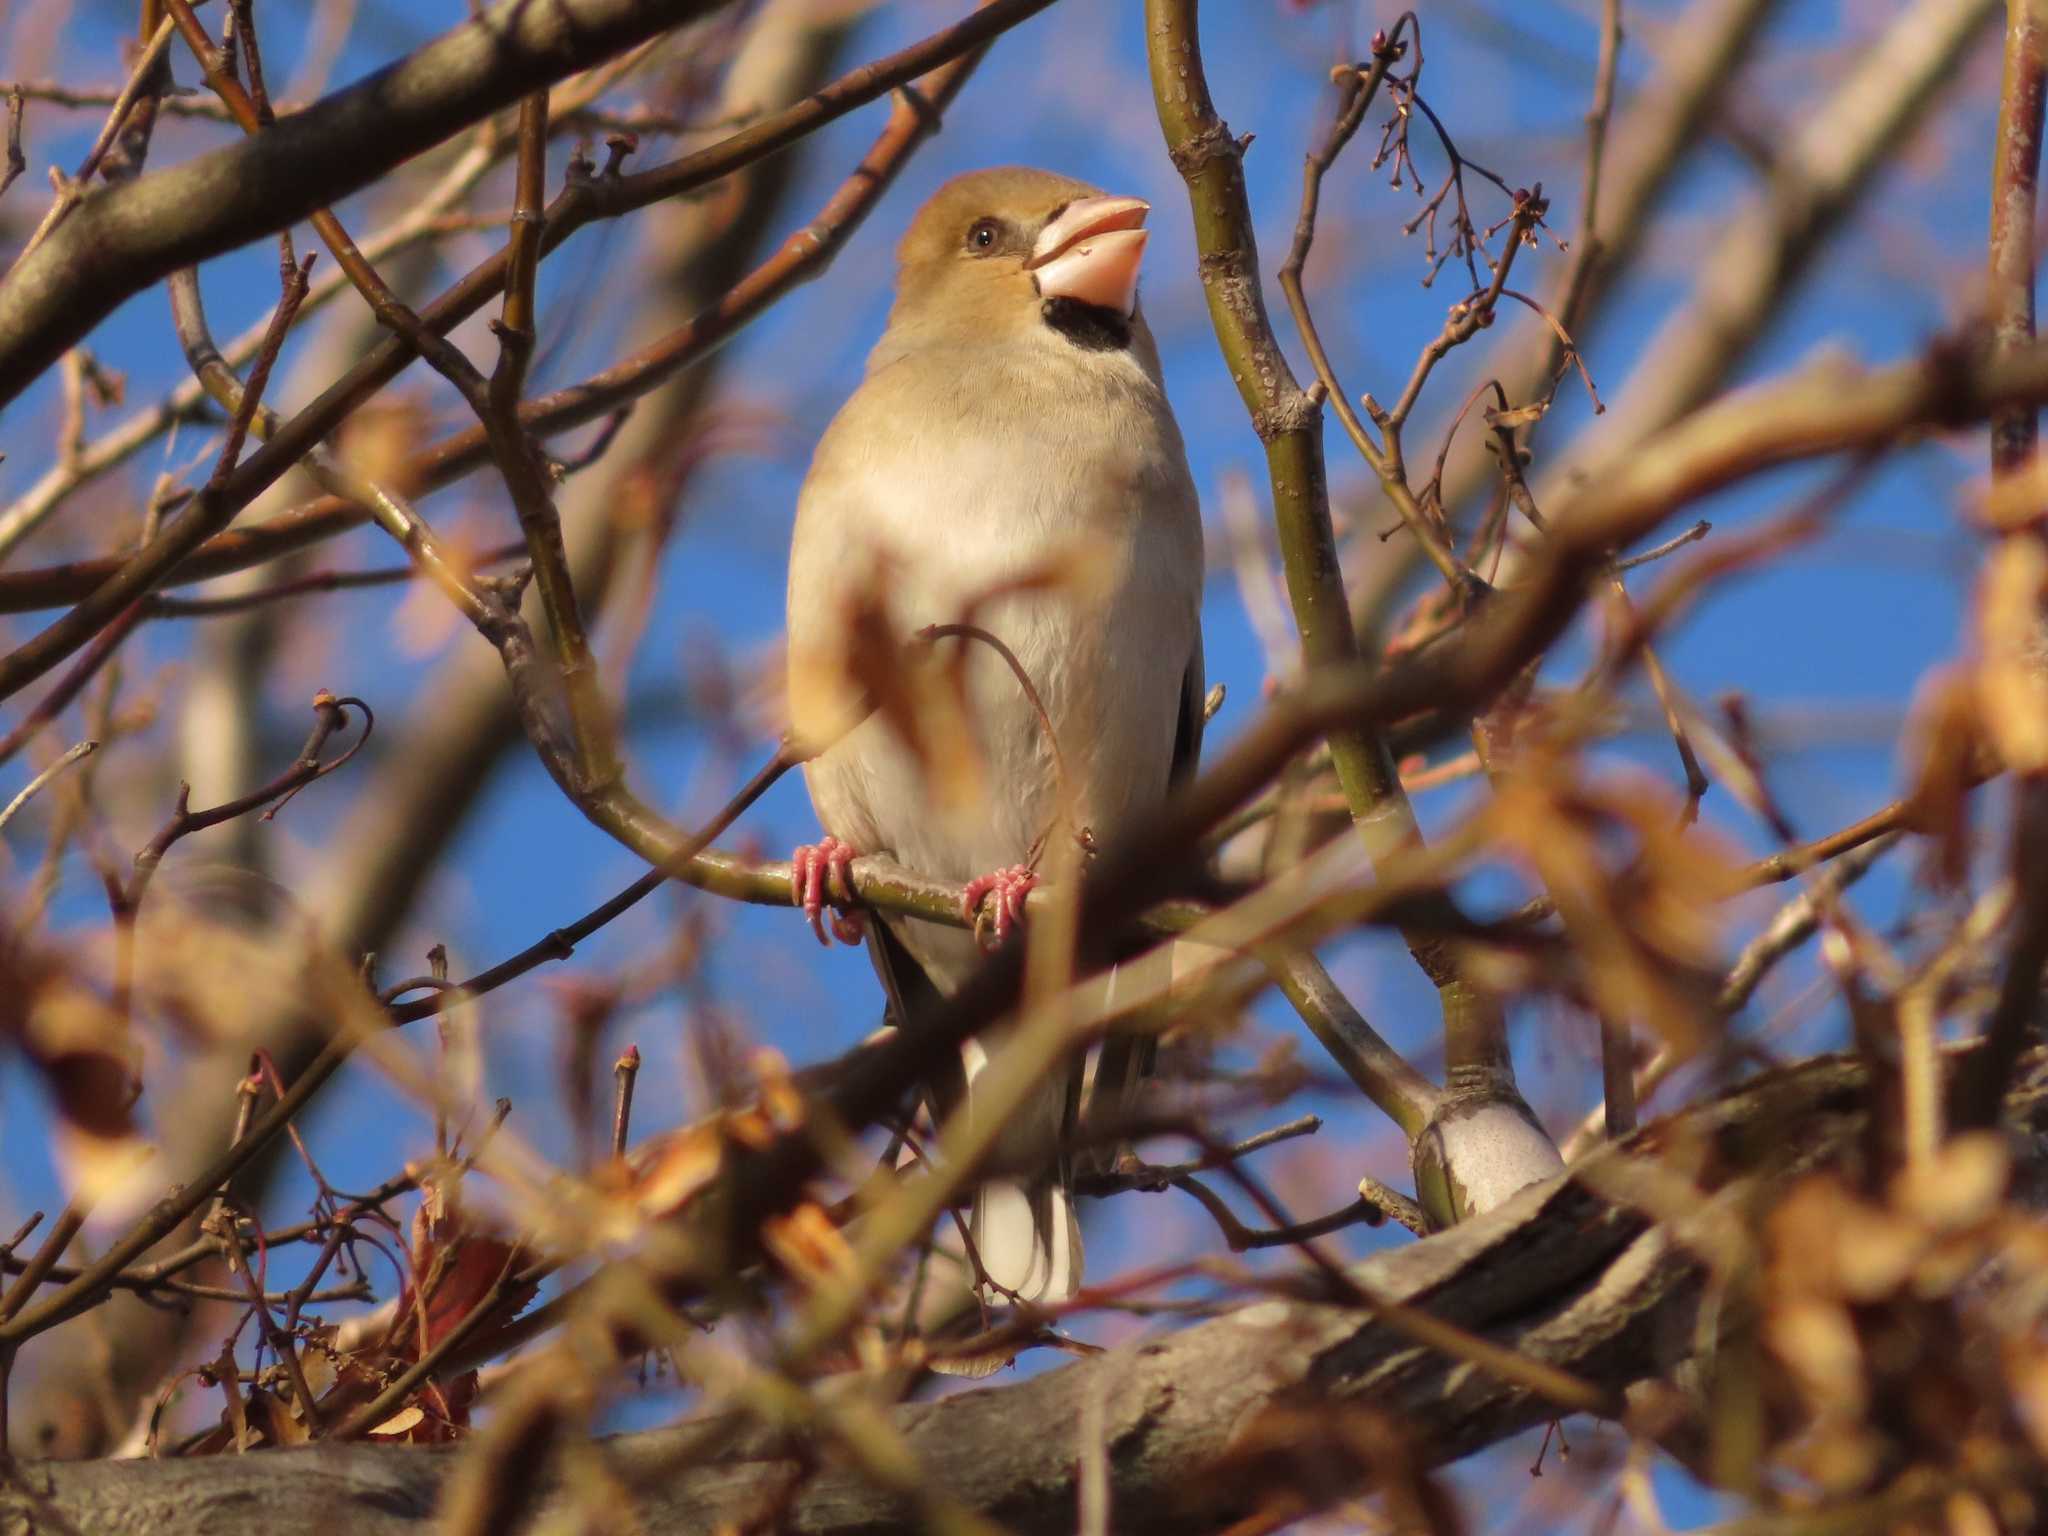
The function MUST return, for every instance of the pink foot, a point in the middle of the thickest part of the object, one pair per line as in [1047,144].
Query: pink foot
[1008,887]
[817,874]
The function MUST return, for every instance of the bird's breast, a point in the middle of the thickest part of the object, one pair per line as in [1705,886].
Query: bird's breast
[1066,531]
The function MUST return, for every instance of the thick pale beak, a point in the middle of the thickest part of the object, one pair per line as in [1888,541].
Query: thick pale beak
[1090,253]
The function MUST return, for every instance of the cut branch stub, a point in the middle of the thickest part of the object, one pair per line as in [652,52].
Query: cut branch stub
[1476,1153]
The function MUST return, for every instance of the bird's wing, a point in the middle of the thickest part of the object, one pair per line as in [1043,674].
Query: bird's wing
[1126,1058]
[911,994]
[1187,740]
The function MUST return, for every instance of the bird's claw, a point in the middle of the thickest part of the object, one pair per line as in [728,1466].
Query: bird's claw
[1008,888]
[817,878]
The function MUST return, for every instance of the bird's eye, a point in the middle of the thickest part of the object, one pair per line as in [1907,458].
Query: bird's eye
[981,239]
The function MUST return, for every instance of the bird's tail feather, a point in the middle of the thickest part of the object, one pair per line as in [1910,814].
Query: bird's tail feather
[1026,1236]
[1025,1231]
[1027,1239]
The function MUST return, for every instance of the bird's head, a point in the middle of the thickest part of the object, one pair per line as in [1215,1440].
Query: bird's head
[1000,251]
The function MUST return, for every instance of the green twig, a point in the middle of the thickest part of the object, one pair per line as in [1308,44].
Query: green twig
[1289,423]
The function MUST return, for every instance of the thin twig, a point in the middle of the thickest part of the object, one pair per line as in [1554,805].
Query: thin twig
[561,943]
[1157,1176]
[294,276]
[141,77]
[37,1269]
[72,683]
[16,161]
[1360,87]
[330,715]
[1678,541]
[1791,926]
[625,1071]
[158,606]
[28,793]
[1241,1238]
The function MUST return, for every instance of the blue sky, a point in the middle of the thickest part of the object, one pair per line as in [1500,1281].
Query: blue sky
[1826,647]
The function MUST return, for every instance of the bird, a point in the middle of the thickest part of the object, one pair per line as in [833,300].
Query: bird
[1007,482]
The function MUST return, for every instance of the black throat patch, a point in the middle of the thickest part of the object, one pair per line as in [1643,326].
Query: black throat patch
[1088,326]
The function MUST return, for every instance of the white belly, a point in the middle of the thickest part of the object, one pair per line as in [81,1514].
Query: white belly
[1081,552]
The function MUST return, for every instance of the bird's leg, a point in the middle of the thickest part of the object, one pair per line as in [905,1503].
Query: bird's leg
[1010,887]
[1004,890]
[817,876]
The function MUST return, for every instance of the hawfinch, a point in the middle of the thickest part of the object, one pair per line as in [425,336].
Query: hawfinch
[1009,467]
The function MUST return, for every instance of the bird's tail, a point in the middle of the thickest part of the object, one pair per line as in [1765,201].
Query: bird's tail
[1027,1239]
[1026,1236]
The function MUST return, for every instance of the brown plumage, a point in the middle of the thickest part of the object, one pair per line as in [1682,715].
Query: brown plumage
[1010,458]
